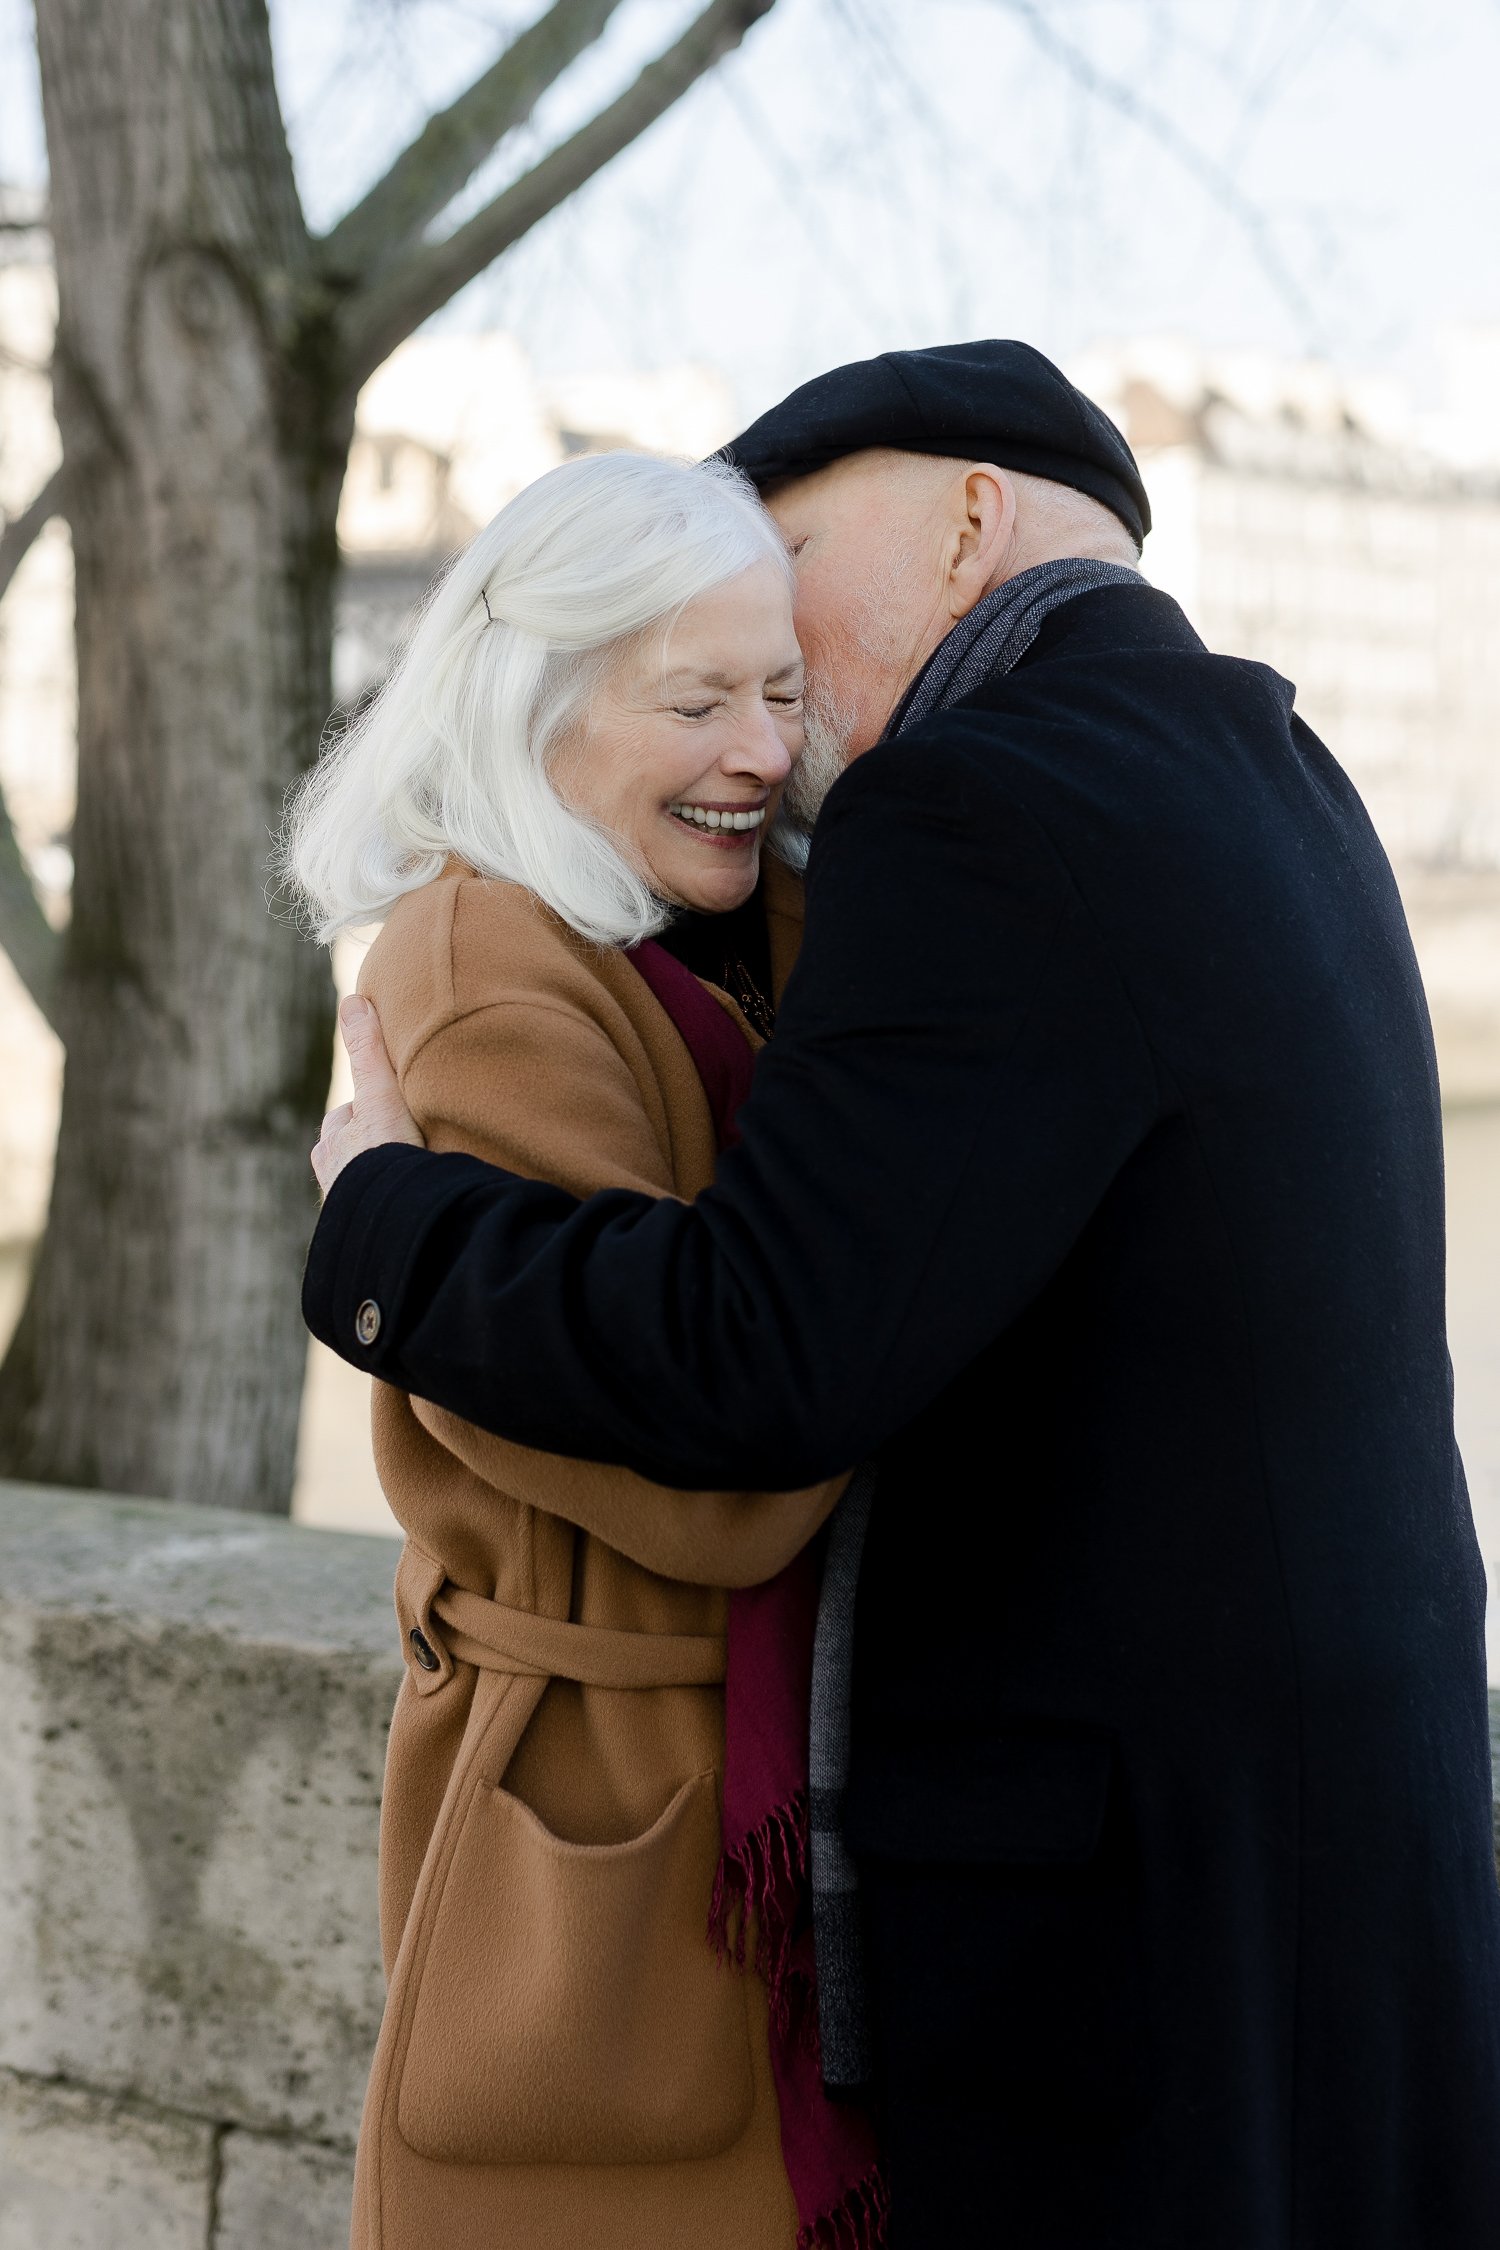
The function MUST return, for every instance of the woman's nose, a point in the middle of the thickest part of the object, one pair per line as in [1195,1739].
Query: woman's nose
[760,749]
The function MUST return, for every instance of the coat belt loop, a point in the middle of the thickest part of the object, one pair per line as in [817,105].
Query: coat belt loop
[502,1639]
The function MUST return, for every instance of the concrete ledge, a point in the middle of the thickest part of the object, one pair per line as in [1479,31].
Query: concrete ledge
[196,1704]
[273,2192]
[81,2172]
[87,2171]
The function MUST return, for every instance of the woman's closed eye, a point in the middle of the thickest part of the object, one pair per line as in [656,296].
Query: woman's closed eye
[706,710]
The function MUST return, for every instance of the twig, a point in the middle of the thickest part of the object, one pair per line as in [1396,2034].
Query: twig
[25,933]
[380,317]
[34,947]
[20,533]
[1211,175]
[452,146]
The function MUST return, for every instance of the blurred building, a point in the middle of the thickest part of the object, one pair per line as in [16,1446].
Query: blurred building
[1317,523]
[448,430]
[1323,526]
[1309,522]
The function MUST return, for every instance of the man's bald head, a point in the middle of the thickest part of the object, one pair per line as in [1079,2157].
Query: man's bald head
[893,548]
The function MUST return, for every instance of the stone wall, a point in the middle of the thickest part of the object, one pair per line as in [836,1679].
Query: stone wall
[194,1714]
[193,1708]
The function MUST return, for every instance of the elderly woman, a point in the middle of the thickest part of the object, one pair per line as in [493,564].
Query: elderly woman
[589,731]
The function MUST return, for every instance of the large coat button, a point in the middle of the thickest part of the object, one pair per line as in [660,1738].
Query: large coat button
[367,1321]
[423,1650]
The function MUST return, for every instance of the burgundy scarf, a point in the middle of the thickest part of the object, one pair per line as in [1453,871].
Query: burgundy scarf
[828,2147]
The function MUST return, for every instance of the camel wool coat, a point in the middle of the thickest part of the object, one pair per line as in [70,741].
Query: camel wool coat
[564,2064]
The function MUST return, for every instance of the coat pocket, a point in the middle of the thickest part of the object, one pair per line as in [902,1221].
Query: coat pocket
[570,2008]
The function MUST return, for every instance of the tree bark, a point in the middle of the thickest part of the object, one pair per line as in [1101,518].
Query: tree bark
[160,1349]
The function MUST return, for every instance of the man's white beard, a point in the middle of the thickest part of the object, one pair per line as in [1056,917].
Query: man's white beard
[825,754]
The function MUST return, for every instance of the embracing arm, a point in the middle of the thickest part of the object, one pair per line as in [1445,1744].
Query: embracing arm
[535,1083]
[956,1077]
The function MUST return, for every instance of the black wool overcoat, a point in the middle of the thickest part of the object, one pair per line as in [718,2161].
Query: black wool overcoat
[1094,1176]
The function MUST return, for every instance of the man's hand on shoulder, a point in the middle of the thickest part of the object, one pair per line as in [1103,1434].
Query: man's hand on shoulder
[378,1114]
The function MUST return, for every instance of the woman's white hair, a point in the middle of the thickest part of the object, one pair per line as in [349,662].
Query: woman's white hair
[451,755]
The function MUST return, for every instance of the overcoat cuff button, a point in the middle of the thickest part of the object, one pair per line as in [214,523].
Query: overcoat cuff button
[423,1650]
[367,1321]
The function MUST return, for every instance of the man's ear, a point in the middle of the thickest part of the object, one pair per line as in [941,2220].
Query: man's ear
[984,535]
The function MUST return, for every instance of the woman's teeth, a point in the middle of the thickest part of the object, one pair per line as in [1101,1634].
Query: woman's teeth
[698,816]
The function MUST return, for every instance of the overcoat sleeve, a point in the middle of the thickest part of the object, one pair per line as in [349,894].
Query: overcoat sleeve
[535,1087]
[957,1075]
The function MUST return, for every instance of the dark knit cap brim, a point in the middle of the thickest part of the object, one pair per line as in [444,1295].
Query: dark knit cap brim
[993,400]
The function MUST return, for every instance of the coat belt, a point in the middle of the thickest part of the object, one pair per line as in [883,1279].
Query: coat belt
[501,1639]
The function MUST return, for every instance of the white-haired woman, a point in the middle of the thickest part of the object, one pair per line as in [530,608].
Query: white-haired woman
[590,729]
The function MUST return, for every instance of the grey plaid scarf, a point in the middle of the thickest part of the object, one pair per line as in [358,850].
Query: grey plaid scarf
[993,637]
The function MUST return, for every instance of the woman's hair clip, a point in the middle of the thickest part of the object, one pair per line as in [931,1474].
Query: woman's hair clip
[489,613]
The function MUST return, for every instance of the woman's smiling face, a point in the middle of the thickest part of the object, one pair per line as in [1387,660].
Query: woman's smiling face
[689,740]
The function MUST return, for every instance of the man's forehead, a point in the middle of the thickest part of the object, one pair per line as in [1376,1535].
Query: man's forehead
[876,476]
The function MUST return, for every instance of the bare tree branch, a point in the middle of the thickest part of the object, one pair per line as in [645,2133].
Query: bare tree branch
[25,933]
[34,947]
[1210,173]
[452,145]
[20,533]
[379,318]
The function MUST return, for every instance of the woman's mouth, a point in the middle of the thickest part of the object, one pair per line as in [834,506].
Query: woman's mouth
[719,824]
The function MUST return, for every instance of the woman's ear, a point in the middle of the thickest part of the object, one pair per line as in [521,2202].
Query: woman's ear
[984,538]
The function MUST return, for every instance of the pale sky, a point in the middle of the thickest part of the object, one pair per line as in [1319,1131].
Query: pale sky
[1291,174]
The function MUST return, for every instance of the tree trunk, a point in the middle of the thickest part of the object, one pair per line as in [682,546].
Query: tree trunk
[160,1349]
[206,362]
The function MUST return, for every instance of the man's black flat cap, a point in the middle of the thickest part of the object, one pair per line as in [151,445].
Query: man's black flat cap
[989,401]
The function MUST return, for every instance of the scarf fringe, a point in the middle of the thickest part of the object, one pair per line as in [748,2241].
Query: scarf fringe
[764,1875]
[858,2221]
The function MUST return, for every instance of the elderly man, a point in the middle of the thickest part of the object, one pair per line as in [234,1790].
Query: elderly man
[1092,1182]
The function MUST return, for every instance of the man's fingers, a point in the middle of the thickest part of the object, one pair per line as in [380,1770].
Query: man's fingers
[322,1155]
[378,1114]
[371,1065]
